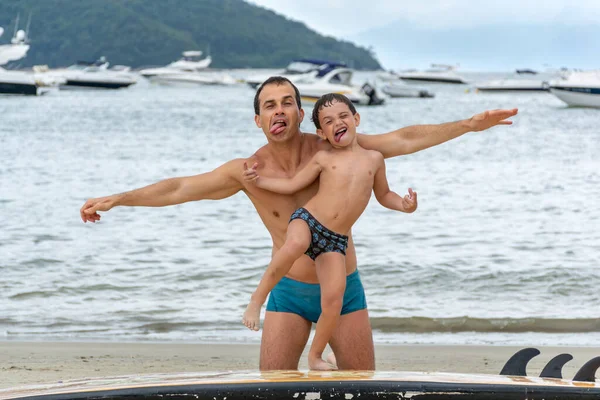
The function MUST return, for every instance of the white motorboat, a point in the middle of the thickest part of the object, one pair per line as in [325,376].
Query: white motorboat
[578,88]
[336,79]
[393,86]
[93,75]
[16,50]
[438,73]
[513,85]
[19,82]
[194,79]
[190,61]
[398,89]
[296,70]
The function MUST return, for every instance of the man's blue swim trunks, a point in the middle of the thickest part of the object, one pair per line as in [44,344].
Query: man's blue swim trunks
[304,299]
[323,240]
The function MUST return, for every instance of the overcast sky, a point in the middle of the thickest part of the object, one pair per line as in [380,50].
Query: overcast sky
[478,34]
[348,17]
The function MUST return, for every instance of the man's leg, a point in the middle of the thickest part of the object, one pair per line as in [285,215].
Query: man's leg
[352,342]
[284,337]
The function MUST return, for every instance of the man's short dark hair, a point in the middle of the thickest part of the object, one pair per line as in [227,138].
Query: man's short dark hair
[327,100]
[275,80]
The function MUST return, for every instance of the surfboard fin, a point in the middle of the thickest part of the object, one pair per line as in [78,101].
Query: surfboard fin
[517,364]
[587,373]
[554,367]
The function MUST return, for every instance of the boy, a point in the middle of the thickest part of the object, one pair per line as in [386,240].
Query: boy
[348,174]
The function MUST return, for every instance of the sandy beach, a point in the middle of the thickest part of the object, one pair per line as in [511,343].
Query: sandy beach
[23,363]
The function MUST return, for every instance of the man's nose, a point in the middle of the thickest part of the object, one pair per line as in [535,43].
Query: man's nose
[279,109]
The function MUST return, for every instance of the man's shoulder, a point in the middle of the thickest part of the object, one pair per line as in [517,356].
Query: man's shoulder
[315,142]
[260,154]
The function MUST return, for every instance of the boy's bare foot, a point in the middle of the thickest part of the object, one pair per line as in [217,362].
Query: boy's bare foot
[251,316]
[318,364]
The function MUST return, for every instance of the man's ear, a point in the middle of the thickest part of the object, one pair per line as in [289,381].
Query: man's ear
[321,134]
[357,119]
[301,116]
[257,120]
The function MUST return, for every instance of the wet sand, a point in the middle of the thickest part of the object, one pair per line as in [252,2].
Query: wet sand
[23,363]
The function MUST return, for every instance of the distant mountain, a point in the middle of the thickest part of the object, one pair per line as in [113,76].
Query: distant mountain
[154,32]
[490,47]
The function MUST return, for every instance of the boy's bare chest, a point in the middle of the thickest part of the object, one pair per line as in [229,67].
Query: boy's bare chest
[344,168]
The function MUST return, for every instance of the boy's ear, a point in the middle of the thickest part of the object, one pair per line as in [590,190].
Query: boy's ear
[321,134]
[357,119]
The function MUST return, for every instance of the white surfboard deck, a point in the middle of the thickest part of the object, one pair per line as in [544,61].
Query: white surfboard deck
[164,382]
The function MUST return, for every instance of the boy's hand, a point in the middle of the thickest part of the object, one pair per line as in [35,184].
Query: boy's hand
[409,201]
[250,174]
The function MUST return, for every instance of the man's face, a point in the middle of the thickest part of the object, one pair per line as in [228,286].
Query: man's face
[279,116]
[338,125]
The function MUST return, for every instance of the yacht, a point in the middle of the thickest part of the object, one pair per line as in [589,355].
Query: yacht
[93,75]
[19,82]
[438,73]
[336,79]
[16,50]
[397,89]
[296,70]
[515,83]
[194,79]
[393,86]
[190,61]
[578,88]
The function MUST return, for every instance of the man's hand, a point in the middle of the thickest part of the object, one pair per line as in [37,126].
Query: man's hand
[89,211]
[250,174]
[488,119]
[409,201]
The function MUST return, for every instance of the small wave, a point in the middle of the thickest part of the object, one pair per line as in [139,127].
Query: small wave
[49,238]
[163,327]
[31,295]
[40,262]
[470,324]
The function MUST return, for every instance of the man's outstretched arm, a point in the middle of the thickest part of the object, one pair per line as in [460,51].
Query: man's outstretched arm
[418,137]
[217,184]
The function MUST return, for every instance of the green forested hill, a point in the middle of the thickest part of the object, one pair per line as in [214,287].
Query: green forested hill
[154,32]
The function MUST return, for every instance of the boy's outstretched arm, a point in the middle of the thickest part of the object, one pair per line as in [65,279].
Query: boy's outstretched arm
[302,179]
[419,137]
[389,199]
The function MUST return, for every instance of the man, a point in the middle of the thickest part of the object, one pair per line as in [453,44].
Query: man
[278,113]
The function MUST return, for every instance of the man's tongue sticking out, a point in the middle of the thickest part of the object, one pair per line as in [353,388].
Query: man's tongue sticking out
[278,127]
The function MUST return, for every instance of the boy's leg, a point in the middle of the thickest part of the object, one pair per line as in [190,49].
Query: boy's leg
[296,242]
[331,271]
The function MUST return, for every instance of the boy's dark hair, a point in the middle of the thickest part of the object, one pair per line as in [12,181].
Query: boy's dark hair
[327,100]
[274,80]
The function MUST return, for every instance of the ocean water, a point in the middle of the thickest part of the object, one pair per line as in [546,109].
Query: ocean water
[504,248]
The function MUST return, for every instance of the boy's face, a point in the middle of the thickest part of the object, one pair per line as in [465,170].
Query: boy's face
[338,125]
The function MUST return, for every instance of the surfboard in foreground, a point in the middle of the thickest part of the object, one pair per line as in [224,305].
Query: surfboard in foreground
[347,385]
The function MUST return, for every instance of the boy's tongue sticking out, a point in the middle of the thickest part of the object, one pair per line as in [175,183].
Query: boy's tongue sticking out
[339,134]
